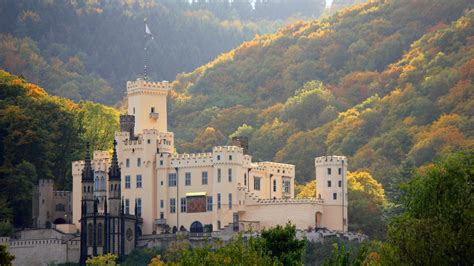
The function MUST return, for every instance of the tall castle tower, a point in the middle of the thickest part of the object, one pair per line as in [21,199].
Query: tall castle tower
[88,204]
[331,186]
[147,103]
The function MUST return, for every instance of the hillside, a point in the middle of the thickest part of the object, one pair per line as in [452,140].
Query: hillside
[87,50]
[381,83]
[40,135]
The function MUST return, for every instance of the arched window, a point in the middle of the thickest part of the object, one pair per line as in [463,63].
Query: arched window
[96,183]
[89,235]
[100,234]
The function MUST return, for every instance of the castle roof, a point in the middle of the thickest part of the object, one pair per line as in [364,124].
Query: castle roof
[114,171]
[88,172]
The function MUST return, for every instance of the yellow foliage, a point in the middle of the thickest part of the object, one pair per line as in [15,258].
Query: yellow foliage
[363,181]
[104,260]
[308,191]
[156,261]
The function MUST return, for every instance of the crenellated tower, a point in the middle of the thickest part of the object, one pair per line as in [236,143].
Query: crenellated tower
[147,103]
[331,186]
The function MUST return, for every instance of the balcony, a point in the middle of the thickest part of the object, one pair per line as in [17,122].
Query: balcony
[160,221]
[154,115]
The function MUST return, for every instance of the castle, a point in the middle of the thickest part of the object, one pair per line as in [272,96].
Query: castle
[204,192]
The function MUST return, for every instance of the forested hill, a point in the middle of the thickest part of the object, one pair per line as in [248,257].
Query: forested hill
[388,84]
[40,135]
[87,49]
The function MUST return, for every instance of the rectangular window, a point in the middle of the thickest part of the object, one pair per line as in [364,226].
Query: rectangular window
[139,207]
[219,175]
[127,206]
[204,178]
[209,203]
[172,180]
[274,185]
[172,205]
[329,183]
[339,171]
[148,141]
[127,163]
[162,203]
[329,171]
[162,215]
[230,157]
[127,181]
[245,179]
[218,201]
[340,183]
[161,162]
[230,201]
[218,157]
[183,204]
[230,175]
[187,179]
[334,196]
[139,162]
[256,183]
[152,110]
[286,186]
[139,181]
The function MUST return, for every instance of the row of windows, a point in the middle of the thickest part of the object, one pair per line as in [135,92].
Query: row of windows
[139,206]
[128,181]
[339,183]
[339,171]
[127,162]
[208,207]
[286,184]
[219,157]
[172,179]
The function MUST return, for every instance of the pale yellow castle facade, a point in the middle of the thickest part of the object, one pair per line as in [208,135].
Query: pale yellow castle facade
[219,190]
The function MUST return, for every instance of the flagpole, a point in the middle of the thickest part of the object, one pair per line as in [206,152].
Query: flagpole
[144,52]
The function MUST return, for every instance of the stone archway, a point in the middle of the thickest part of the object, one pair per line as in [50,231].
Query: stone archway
[196,227]
[318,216]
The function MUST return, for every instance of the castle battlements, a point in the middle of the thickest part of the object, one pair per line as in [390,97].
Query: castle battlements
[45,182]
[133,86]
[324,160]
[227,149]
[278,167]
[289,201]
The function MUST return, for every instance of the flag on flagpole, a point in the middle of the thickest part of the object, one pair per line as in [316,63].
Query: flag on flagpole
[148,32]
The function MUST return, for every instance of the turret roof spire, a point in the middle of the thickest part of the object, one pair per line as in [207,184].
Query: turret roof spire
[88,172]
[114,171]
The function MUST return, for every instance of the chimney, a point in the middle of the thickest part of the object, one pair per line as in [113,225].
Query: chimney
[127,124]
[241,141]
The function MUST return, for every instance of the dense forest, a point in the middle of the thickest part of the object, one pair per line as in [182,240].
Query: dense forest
[375,82]
[388,84]
[40,136]
[87,50]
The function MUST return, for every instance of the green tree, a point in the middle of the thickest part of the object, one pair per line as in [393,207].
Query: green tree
[436,227]
[6,257]
[366,202]
[281,243]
